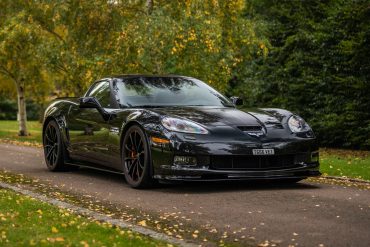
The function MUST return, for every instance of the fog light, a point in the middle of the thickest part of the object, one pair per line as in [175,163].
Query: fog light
[315,156]
[185,160]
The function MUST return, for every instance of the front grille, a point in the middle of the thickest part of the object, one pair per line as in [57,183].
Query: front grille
[249,162]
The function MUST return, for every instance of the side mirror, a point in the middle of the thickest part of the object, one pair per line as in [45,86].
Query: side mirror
[236,100]
[92,102]
[89,102]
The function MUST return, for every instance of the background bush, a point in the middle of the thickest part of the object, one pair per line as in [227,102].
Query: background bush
[318,66]
[8,110]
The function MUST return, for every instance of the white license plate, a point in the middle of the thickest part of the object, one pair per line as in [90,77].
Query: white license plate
[263,151]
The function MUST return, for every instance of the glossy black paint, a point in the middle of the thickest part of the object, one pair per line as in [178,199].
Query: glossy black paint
[93,137]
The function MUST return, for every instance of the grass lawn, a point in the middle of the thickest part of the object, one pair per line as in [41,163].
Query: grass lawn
[25,221]
[347,163]
[9,130]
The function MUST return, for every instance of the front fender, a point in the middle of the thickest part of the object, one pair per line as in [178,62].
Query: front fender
[58,111]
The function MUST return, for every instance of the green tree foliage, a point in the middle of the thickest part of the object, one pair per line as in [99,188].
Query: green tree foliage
[18,63]
[317,66]
[86,40]
[69,44]
[307,56]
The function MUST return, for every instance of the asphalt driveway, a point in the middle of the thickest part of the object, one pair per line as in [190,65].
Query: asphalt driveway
[305,214]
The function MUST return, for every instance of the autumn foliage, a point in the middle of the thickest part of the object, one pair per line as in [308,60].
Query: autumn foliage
[310,57]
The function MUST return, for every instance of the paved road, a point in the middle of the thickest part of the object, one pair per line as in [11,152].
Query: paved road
[305,214]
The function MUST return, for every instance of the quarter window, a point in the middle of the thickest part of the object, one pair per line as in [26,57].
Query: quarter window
[101,92]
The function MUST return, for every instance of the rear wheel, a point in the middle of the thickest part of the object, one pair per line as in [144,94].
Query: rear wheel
[136,158]
[53,147]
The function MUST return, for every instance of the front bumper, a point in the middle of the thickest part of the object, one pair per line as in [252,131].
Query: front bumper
[225,158]
[177,173]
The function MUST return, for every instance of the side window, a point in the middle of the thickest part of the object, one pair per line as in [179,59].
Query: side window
[101,92]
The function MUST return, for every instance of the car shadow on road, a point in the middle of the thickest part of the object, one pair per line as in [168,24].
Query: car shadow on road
[204,187]
[224,186]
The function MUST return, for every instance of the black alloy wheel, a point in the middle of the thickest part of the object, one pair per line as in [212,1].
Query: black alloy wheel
[136,158]
[53,147]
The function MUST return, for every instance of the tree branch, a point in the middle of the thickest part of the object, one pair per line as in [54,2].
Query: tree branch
[47,29]
[7,72]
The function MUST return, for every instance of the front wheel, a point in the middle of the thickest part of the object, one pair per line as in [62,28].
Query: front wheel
[53,147]
[136,158]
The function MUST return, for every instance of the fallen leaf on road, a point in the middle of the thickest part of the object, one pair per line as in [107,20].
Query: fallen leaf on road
[142,223]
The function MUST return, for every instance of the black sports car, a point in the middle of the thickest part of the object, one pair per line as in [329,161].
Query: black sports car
[175,128]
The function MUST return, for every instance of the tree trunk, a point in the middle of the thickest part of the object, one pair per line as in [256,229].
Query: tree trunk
[22,114]
[149,6]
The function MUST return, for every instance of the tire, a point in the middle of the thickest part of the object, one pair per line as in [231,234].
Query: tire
[136,158]
[53,148]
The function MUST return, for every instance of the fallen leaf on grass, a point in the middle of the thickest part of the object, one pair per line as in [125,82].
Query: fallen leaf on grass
[59,239]
[84,243]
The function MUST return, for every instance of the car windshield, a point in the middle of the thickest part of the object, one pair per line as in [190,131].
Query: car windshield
[166,91]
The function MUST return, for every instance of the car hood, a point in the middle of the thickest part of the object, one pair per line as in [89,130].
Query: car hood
[216,116]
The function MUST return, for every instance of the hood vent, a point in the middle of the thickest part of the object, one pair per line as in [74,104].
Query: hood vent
[251,128]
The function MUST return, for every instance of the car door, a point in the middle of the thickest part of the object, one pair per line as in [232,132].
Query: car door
[88,131]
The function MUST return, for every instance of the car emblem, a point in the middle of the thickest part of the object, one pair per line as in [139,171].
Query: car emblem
[256,134]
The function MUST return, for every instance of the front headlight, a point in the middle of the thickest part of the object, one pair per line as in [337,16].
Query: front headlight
[298,125]
[181,125]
